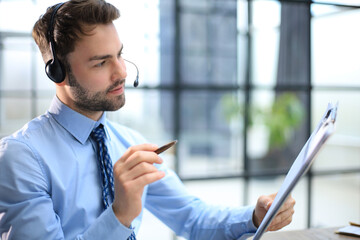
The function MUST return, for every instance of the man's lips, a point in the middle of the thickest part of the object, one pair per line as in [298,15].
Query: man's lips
[117,90]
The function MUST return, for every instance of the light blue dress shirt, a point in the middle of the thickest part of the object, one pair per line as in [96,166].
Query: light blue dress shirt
[50,186]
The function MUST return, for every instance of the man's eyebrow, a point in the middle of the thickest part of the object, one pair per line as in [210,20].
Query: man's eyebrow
[103,57]
[94,58]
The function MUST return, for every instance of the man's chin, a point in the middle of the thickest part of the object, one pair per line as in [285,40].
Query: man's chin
[116,106]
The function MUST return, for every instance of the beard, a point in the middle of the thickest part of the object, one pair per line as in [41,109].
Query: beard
[97,101]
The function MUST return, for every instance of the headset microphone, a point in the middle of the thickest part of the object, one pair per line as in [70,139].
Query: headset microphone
[136,82]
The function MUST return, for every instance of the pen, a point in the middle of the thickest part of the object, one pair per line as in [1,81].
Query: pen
[165,147]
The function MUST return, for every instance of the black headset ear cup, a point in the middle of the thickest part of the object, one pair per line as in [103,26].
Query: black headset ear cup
[55,70]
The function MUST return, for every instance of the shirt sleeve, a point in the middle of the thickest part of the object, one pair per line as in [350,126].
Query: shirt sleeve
[26,207]
[190,217]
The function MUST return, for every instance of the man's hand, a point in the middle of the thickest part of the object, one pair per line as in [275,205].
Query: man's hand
[132,172]
[282,218]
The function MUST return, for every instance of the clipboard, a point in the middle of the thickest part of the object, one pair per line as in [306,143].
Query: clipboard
[301,165]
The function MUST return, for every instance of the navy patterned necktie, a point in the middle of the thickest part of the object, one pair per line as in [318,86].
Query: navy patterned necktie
[106,169]
[132,236]
[105,166]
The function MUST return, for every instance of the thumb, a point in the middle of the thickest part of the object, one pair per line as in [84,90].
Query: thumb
[269,200]
[267,203]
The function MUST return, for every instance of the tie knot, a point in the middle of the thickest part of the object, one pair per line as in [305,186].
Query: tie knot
[98,133]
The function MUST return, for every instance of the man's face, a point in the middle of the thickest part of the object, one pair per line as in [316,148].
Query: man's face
[96,78]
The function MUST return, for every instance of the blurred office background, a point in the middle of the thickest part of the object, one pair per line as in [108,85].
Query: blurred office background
[240,83]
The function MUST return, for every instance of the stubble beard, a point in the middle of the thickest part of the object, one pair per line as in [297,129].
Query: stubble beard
[95,102]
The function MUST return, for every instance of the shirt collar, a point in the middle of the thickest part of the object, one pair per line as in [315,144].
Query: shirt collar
[75,123]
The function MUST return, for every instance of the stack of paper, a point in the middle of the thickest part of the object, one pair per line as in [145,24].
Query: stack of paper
[352,230]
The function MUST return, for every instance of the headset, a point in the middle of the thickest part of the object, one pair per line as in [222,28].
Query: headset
[54,68]
[136,82]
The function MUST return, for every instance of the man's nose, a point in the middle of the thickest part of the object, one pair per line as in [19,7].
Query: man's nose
[119,70]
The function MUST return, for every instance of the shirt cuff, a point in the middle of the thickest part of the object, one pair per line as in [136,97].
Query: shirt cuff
[251,223]
[107,226]
[243,223]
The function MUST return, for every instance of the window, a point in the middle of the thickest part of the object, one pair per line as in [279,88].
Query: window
[290,57]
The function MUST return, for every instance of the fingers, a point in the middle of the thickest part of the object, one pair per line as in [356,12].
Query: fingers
[262,206]
[266,201]
[284,216]
[138,170]
[149,178]
[132,186]
[136,162]
[134,149]
[141,157]
[135,155]
[281,220]
[289,204]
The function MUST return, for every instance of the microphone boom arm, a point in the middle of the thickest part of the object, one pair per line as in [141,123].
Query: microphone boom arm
[136,82]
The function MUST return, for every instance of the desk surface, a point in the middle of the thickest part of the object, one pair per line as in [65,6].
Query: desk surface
[313,234]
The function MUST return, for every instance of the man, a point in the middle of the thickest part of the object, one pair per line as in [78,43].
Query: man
[52,185]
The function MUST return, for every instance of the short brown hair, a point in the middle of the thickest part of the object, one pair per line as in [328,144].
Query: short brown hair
[73,19]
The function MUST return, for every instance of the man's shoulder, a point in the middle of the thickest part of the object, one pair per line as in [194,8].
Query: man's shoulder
[30,130]
[39,136]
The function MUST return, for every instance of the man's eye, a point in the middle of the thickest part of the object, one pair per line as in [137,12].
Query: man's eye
[100,64]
